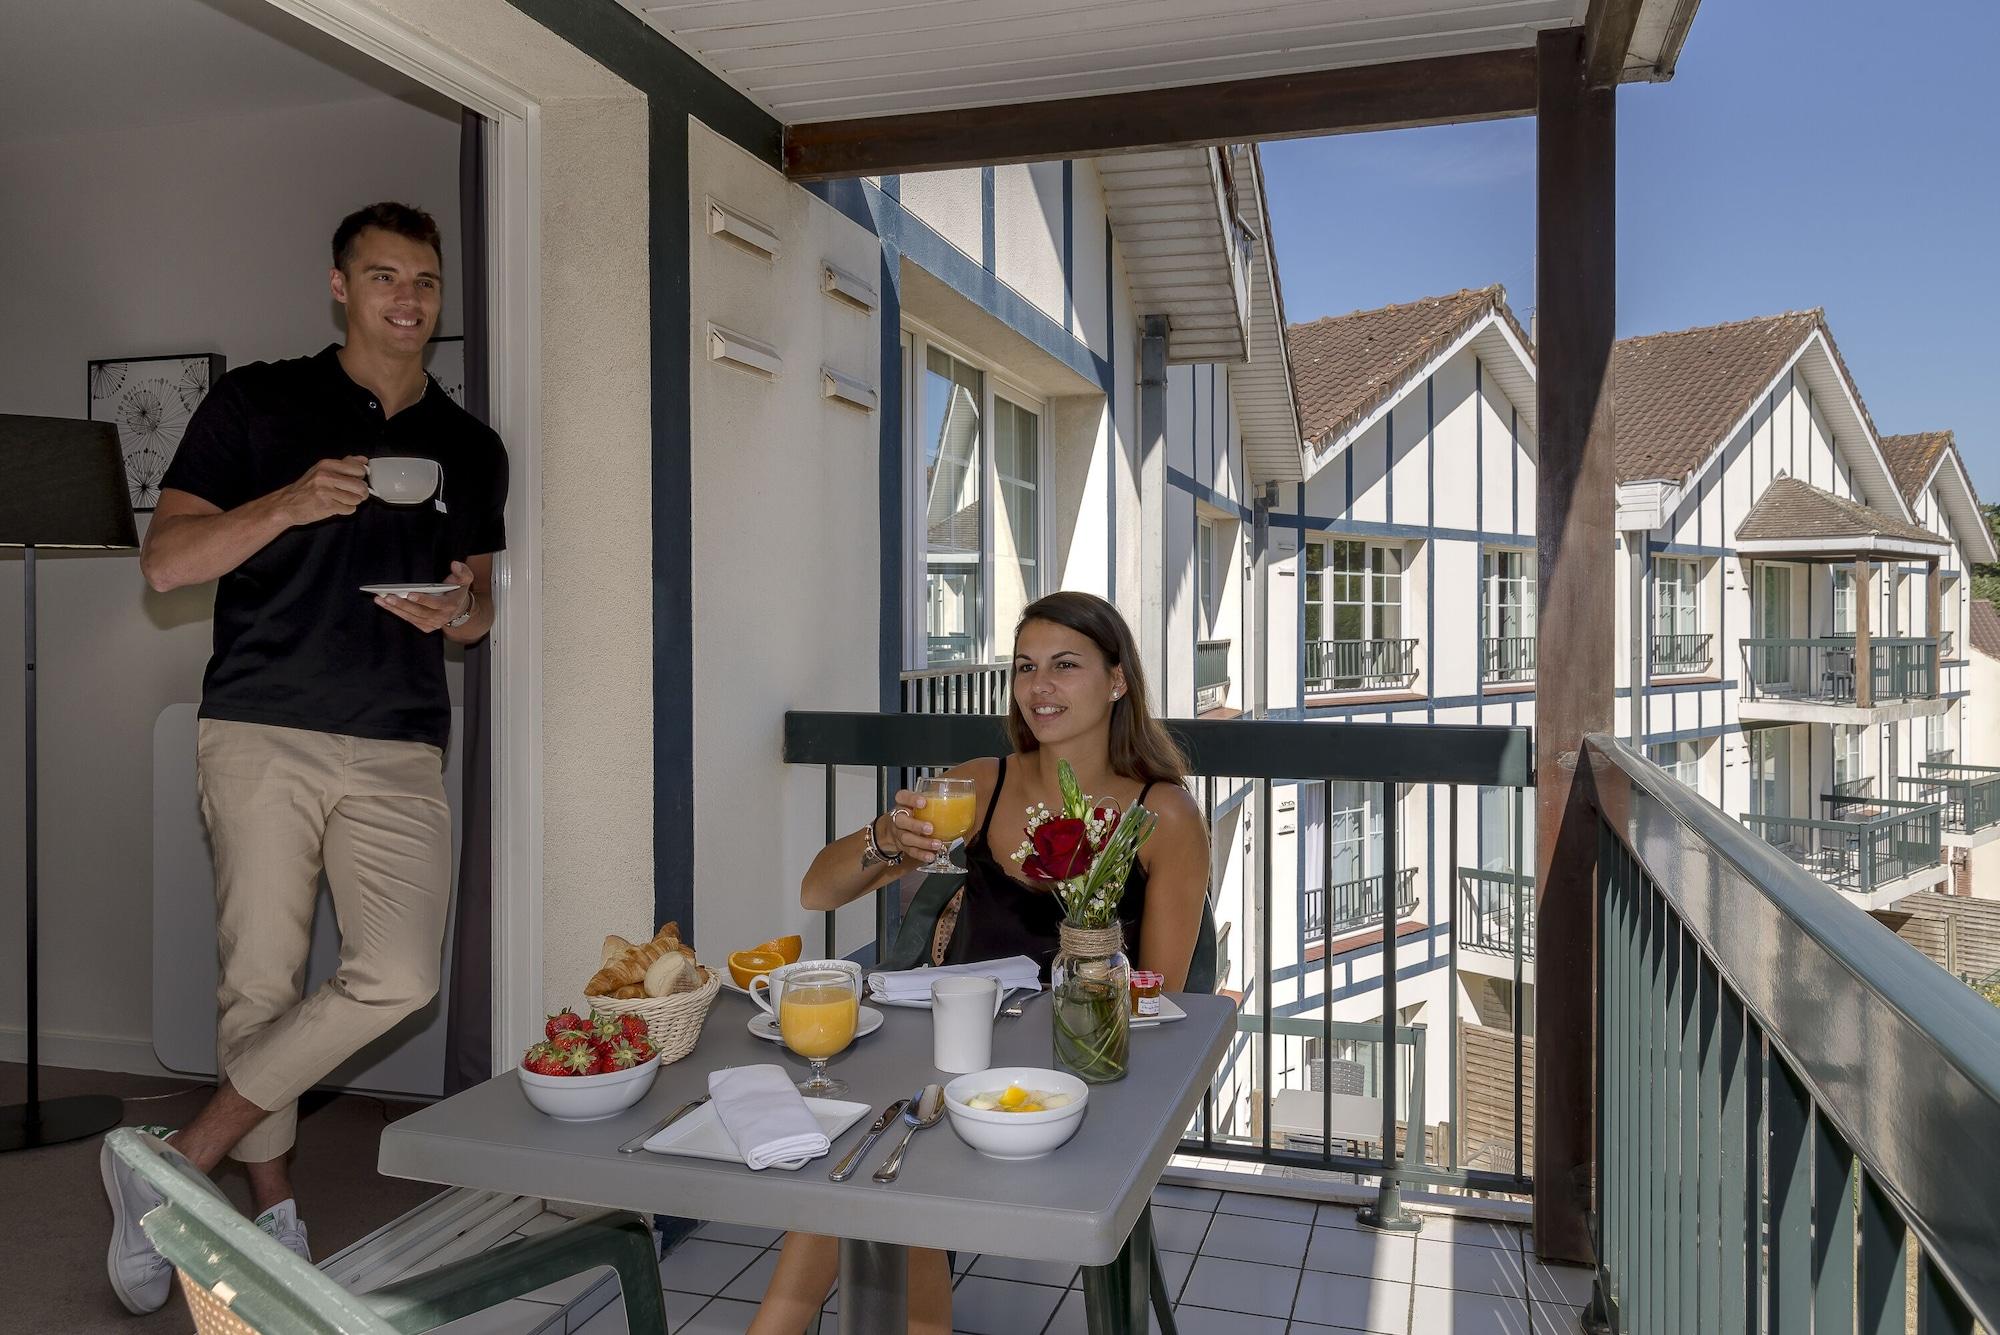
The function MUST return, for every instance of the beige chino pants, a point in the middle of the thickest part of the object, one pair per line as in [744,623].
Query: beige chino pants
[283,804]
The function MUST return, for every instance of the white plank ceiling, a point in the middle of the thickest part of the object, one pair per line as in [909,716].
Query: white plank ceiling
[1175,232]
[813,60]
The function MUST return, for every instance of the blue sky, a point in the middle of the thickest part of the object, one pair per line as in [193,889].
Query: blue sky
[1836,153]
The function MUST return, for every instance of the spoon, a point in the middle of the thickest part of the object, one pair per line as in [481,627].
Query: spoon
[926,1109]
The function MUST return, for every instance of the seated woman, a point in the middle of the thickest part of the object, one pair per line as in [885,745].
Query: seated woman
[1078,695]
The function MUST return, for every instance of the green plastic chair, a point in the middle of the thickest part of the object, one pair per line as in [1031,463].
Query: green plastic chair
[238,1279]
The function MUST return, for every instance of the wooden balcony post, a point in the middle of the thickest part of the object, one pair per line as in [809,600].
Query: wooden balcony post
[1934,623]
[1154,577]
[1864,656]
[1575,286]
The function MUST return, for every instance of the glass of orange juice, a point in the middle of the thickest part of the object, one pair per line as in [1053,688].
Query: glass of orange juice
[948,806]
[817,1014]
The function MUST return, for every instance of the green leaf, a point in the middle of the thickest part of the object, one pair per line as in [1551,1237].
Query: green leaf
[1072,792]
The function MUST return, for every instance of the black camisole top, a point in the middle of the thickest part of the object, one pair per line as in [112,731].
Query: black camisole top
[1001,916]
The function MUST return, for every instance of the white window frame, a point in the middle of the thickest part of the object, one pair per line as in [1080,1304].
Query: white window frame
[1369,573]
[917,339]
[1492,560]
[1681,759]
[1850,763]
[1680,615]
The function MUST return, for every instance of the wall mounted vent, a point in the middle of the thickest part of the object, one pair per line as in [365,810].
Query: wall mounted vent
[847,289]
[742,230]
[845,389]
[745,354]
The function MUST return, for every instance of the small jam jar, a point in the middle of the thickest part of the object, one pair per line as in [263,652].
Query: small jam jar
[1146,987]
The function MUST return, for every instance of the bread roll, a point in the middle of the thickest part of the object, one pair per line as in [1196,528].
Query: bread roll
[671,973]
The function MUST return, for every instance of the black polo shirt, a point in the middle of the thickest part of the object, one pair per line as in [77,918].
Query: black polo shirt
[297,644]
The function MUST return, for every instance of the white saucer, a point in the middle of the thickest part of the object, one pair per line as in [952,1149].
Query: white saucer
[1168,1014]
[764,1025]
[405,590]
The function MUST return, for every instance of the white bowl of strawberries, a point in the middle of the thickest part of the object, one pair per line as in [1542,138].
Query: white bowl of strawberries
[588,1069]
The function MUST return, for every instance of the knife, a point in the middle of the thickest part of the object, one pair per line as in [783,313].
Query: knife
[845,1168]
[638,1142]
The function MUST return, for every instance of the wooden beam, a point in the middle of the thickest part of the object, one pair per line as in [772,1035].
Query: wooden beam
[1488,85]
[1575,273]
[1607,37]
[1864,652]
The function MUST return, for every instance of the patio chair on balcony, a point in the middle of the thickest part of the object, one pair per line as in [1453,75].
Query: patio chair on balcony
[239,1281]
[1836,679]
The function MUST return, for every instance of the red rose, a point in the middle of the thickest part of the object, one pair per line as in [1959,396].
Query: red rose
[1062,851]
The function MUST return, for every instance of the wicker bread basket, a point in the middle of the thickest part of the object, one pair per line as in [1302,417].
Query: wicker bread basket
[672,1023]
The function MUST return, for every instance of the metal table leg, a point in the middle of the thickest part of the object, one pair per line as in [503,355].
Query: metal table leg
[874,1287]
[1116,1296]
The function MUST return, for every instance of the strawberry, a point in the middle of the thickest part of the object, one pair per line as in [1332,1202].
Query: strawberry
[564,1021]
[574,1056]
[604,1028]
[644,1047]
[543,1059]
[634,1027]
[620,1056]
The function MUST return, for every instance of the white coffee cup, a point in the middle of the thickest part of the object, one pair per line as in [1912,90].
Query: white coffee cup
[402,479]
[771,995]
[962,1013]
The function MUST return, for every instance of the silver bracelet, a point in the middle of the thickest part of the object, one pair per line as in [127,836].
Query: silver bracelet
[872,854]
[471,602]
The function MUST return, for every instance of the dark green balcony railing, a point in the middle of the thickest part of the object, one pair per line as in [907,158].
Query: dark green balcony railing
[1357,904]
[1231,760]
[1826,671]
[1496,911]
[1677,654]
[1795,1111]
[1506,658]
[1970,794]
[1359,665]
[1864,843]
[1211,675]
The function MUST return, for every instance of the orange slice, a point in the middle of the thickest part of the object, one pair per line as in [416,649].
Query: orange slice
[747,964]
[788,947]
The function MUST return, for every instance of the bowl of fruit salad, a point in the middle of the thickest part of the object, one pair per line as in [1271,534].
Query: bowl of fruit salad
[1016,1112]
[589,1068]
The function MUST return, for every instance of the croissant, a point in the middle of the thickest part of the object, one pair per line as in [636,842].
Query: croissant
[614,946]
[628,968]
[630,992]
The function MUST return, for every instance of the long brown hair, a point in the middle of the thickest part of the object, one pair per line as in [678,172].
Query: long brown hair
[1141,748]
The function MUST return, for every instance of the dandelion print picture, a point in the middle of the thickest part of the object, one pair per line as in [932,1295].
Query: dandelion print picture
[445,360]
[150,400]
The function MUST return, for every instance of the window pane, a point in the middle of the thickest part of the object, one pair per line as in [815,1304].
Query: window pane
[1017,456]
[952,510]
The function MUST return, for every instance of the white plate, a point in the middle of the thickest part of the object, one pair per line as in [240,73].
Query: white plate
[699,1135]
[764,1025]
[395,590]
[1168,1014]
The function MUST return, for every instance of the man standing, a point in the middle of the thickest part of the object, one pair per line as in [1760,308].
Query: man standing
[324,715]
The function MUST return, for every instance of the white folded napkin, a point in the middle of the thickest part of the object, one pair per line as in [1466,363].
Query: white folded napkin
[765,1117]
[1016,973]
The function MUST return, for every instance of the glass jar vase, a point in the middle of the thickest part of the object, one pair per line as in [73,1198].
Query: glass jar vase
[1090,988]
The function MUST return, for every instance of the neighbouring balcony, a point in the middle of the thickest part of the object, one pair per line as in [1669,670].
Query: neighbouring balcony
[1786,678]
[1684,654]
[1359,665]
[968,688]
[1969,794]
[1211,675]
[1496,912]
[1874,848]
[1354,905]
[1506,658]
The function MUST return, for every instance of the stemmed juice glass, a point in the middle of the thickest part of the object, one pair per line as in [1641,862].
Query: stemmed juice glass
[817,1015]
[948,806]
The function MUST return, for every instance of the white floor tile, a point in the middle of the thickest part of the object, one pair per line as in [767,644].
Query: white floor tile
[1476,1232]
[701,1266]
[1055,1274]
[1556,1319]
[1241,1286]
[1186,1198]
[608,1320]
[566,1291]
[1178,1230]
[1442,1312]
[1208,1321]
[749,1286]
[681,1307]
[1337,1216]
[1069,1318]
[1568,1285]
[721,1317]
[1244,1238]
[740,1234]
[1355,1303]
[1267,1207]
[1175,1266]
[996,1307]
[1467,1269]
[1358,1251]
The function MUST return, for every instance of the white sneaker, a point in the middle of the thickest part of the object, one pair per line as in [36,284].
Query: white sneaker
[281,1221]
[141,1277]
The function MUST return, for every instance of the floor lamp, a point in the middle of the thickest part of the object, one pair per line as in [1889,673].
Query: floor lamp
[62,484]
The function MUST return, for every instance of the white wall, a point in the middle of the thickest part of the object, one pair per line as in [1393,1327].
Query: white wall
[211,237]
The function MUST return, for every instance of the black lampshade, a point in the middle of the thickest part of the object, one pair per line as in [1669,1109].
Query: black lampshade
[62,484]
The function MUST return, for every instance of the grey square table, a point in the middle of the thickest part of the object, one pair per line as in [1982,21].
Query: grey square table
[1081,1204]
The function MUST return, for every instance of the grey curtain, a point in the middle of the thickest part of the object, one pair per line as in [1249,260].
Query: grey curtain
[469,1018]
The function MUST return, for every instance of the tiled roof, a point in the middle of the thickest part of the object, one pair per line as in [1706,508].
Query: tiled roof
[1346,366]
[1791,509]
[1676,395]
[1986,627]
[1911,458]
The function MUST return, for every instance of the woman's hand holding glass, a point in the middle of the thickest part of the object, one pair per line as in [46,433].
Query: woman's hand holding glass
[925,823]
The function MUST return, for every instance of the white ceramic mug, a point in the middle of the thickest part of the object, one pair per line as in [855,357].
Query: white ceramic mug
[773,991]
[402,479]
[962,1013]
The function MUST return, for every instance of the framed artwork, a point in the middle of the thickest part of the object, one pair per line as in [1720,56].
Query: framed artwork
[444,358]
[150,400]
